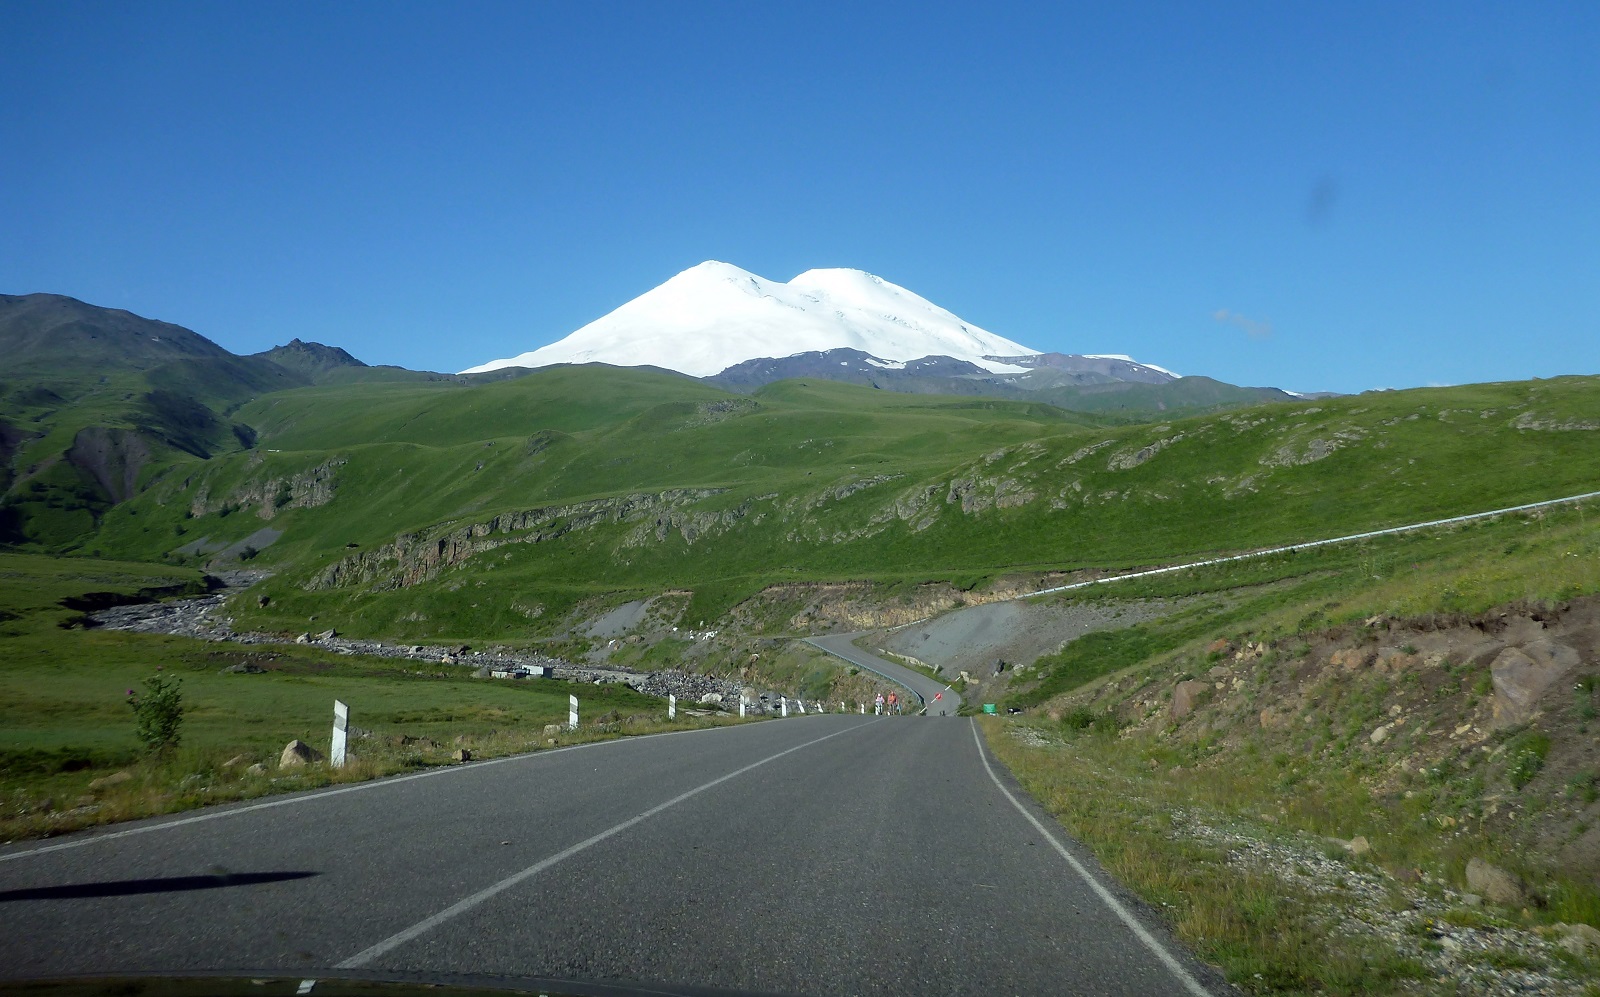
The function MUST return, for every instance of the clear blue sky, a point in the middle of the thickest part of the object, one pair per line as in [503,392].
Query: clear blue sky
[1367,194]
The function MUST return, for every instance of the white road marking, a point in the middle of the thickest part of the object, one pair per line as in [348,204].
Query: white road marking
[1143,934]
[394,941]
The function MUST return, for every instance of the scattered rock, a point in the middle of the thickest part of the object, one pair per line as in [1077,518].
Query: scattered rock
[257,769]
[1471,900]
[1271,718]
[107,781]
[1184,697]
[1359,845]
[327,635]
[1381,734]
[553,730]
[303,639]
[263,601]
[1496,884]
[297,753]
[1352,659]
[1396,661]
[244,668]
[235,761]
[1219,646]
[1521,675]
[462,755]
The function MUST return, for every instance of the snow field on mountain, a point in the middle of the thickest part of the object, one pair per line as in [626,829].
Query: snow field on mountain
[715,315]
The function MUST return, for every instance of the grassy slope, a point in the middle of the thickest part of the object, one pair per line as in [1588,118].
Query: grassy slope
[977,487]
[1319,776]
[64,719]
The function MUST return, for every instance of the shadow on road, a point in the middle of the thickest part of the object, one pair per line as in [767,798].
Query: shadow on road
[132,887]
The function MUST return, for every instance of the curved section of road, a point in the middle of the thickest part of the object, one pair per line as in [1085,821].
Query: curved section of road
[823,855]
[939,698]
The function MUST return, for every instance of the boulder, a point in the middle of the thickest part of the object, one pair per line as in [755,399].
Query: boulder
[712,699]
[462,755]
[1359,845]
[244,668]
[1219,646]
[1522,674]
[235,761]
[1380,734]
[257,769]
[297,753]
[1582,940]
[263,601]
[327,634]
[554,730]
[1184,697]
[1396,661]
[1352,659]
[1496,885]
[303,639]
[108,781]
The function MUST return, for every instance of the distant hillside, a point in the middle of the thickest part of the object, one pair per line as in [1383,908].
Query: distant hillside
[309,359]
[53,333]
[1114,386]
[433,511]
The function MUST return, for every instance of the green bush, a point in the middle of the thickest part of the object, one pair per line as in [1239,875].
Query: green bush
[1527,758]
[158,713]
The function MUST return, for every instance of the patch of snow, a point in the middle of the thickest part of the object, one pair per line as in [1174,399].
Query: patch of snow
[1127,359]
[715,315]
[887,364]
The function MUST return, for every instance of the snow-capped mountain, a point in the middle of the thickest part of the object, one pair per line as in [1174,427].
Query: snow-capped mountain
[715,315]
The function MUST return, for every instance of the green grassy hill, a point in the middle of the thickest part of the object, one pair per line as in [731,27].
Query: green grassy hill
[432,510]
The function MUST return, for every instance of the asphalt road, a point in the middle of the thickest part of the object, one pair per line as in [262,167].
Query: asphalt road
[815,855]
[940,699]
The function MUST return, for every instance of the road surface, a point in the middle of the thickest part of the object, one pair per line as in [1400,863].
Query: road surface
[815,855]
[940,698]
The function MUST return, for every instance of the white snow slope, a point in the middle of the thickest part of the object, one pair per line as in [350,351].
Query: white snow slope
[712,316]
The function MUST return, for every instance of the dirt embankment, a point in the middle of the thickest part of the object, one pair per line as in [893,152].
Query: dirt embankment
[1493,718]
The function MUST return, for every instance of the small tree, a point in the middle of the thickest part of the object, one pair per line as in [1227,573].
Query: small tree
[157,713]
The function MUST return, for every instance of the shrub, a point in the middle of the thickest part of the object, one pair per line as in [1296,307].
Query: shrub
[158,713]
[1527,759]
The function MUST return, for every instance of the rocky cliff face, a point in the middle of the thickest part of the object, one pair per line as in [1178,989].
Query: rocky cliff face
[417,557]
[303,490]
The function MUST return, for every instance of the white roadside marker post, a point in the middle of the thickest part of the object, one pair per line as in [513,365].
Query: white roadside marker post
[341,726]
[572,712]
[672,706]
[741,706]
[802,704]
[863,709]
[783,706]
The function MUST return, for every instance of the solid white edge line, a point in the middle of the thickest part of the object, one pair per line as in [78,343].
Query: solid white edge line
[462,906]
[1127,918]
[91,838]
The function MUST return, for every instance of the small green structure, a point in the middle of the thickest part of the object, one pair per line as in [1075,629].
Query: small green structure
[989,708]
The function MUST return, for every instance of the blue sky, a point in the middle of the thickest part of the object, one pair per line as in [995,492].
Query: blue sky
[1314,196]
